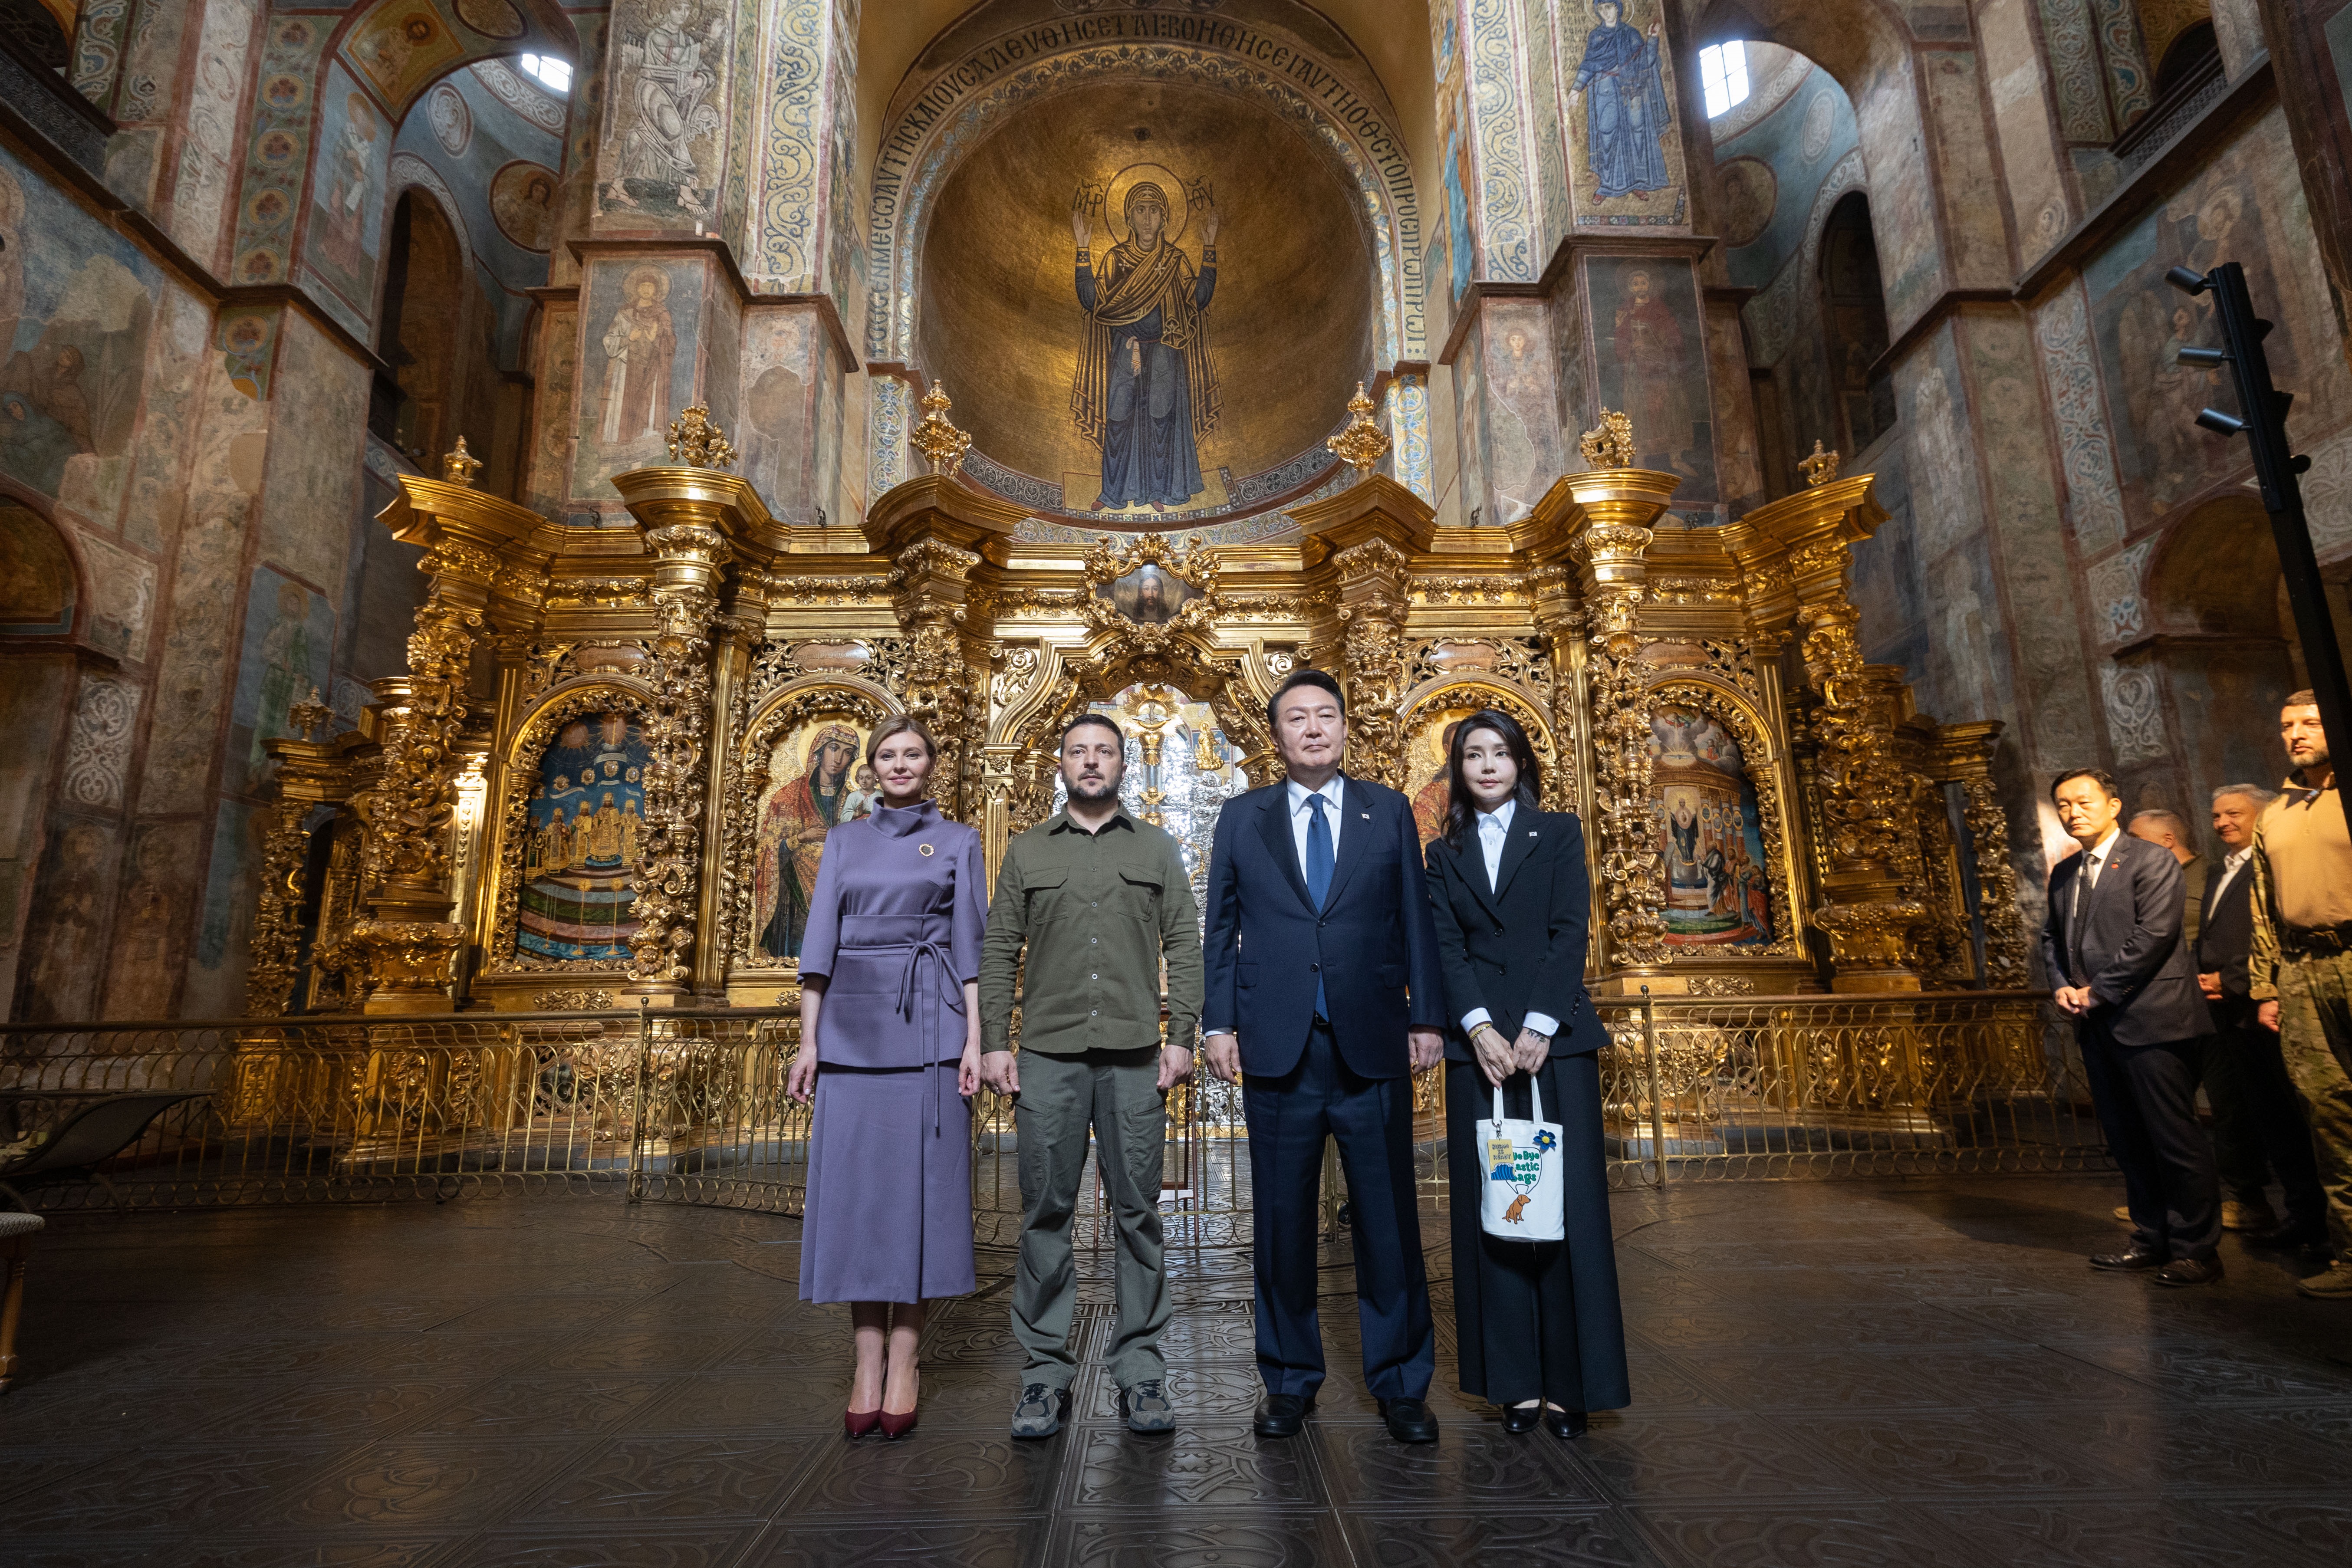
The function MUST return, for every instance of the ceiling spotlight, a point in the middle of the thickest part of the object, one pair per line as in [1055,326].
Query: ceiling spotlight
[2204,358]
[2220,424]
[2187,282]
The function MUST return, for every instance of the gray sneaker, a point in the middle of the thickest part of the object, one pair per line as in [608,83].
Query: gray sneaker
[1040,1412]
[1147,1408]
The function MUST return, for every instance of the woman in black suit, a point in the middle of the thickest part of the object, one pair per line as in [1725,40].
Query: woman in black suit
[1540,1330]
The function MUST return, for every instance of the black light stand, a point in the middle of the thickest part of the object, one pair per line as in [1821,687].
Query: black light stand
[2275,468]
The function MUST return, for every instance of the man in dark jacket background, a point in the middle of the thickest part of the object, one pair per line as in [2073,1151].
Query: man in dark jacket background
[2112,947]
[2258,1124]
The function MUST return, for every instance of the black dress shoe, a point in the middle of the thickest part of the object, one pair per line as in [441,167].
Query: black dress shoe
[1519,1420]
[2138,1258]
[2294,1235]
[2189,1271]
[1564,1424]
[1281,1414]
[1409,1420]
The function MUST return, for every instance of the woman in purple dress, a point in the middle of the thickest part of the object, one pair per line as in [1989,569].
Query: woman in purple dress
[890,1047]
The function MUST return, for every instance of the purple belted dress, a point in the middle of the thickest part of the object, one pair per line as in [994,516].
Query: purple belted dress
[894,926]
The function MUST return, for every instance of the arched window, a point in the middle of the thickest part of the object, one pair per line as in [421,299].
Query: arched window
[2185,57]
[1854,325]
[423,293]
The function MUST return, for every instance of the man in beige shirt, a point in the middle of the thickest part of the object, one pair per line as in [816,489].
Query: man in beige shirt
[2300,968]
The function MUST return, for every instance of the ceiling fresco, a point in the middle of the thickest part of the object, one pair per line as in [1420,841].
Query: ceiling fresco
[1175,378]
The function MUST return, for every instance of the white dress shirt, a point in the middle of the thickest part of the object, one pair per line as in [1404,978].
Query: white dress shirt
[2231,864]
[1301,813]
[1493,831]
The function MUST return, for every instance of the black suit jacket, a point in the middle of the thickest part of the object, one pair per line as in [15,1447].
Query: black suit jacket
[2142,976]
[2225,935]
[1518,950]
[1372,945]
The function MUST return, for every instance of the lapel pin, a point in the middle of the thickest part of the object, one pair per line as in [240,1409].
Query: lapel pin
[1531,833]
[1367,815]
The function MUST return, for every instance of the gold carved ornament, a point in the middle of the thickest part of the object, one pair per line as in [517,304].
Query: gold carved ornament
[676,736]
[458,466]
[941,443]
[1106,563]
[1362,443]
[1820,468]
[1631,892]
[276,931]
[1610,444]
[310,716]
[698,443]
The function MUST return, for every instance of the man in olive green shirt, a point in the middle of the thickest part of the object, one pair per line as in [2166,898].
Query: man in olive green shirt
[2301,966]
[1101,902]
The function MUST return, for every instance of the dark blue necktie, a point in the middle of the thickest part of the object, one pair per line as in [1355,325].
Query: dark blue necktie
[1318,881]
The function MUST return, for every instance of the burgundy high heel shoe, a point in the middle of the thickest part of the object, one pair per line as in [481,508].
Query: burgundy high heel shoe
[858,1423]
[896,1427]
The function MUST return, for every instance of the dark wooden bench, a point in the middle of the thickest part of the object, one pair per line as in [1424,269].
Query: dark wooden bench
[88,1136]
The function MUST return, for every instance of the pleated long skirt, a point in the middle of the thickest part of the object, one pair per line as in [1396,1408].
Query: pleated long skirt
[888,1216]
[1537,1319]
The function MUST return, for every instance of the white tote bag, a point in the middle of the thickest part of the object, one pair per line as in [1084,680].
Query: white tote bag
[1523,1192]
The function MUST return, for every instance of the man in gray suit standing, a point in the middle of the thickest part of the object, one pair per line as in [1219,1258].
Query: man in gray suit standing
[2113,948]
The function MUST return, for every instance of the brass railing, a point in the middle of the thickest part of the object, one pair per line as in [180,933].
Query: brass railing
[1763,1087]
[689,1106]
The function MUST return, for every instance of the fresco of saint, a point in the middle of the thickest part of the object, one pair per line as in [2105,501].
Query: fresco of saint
[673,86]
[1648,342]
[792,837]
[639,347]
[1624,97]
[1145,390]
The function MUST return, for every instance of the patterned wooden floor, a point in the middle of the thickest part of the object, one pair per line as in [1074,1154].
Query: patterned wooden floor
[1919,1370]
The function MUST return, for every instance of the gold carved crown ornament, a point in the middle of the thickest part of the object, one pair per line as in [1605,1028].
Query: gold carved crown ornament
[941,443]
[458,466]
[1820,468]
[310,715]
[696,442]
[1610,444]
[1362,443]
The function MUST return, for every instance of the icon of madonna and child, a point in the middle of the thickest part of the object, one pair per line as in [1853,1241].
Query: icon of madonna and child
[824,784]
[586,817]
[1709,833]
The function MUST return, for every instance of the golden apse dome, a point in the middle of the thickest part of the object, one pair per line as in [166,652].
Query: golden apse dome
[1254,370]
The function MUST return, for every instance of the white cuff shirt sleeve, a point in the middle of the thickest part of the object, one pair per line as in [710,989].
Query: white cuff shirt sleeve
[1541,1023]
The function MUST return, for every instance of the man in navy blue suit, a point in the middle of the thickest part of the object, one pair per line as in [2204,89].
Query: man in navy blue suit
[1324,996]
